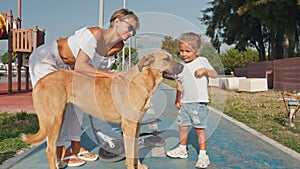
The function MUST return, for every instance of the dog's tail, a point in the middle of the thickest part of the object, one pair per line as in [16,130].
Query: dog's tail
[34,138]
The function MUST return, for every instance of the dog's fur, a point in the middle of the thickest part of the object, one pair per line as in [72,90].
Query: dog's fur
[111,99]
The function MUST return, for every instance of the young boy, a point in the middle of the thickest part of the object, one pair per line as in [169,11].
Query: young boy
[192,97]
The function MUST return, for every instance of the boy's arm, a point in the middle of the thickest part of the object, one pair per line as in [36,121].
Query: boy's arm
[178,95]
[205,72]
[212,73]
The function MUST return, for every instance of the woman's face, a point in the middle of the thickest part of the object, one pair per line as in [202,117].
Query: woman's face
[126,28]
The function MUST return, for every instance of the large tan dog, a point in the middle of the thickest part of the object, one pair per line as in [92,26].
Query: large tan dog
[111,99]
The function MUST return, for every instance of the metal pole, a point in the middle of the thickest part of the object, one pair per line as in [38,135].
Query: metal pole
[124,3]
[123,50]
[129,51]
[129,45]
[19,55]
[101,12]
[123,58]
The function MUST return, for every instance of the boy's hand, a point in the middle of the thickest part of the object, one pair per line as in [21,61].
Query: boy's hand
[201,72]
[178,104]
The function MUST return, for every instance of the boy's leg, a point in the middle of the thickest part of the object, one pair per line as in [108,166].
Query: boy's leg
[203,159]
[200,123]
[184,122]
[201,133]
[183,134]
[181,150]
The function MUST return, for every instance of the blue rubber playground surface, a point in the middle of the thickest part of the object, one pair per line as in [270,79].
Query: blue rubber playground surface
[230,144]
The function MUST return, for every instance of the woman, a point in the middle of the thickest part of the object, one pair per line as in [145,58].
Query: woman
[89,51]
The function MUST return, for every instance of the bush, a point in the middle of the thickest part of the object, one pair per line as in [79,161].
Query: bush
[233,58]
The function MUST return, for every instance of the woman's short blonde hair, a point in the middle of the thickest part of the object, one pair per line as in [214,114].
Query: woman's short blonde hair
[124,14]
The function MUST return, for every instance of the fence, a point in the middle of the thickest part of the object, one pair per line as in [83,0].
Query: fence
[282,74]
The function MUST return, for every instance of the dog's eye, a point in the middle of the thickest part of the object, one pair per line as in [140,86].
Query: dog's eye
[167,59]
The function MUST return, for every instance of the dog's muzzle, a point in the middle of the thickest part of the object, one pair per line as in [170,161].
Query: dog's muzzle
[174,72]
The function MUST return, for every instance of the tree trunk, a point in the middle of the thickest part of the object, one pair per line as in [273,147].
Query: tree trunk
[273,53]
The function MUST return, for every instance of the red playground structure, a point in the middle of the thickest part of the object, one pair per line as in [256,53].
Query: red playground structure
[22,41]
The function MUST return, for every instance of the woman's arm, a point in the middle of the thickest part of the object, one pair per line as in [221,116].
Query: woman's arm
[82,66]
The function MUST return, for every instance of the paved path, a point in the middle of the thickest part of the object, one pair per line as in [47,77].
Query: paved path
[230,144]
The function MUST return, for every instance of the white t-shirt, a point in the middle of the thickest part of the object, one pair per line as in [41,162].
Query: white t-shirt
[194,89]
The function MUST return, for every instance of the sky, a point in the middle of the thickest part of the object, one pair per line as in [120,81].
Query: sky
[61,18]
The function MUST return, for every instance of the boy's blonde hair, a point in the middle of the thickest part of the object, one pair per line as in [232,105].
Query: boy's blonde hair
[192,39]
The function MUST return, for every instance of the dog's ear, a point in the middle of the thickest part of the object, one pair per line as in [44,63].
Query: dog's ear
[145,61]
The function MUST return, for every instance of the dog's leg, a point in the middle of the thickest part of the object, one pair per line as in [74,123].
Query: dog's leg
[139,164]
[54,130]
[131,135]
[51,155]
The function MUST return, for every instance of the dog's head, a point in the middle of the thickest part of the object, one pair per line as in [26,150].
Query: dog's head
[162,61]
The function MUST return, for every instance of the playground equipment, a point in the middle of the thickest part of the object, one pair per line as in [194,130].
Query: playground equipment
[292,105]
[20,40]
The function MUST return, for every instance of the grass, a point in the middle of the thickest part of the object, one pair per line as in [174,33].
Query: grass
[11,126]
[263,111]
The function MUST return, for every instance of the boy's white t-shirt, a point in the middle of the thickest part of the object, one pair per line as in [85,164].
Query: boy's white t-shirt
[194,89]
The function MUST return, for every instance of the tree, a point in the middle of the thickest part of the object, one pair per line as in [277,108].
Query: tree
[172,46]
[4,57]
[261,24]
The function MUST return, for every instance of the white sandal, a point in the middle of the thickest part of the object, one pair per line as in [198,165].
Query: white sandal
[80,155]
[71,164]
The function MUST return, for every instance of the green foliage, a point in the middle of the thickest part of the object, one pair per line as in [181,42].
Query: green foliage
[213,57]
[4,58]
[297,53]
[255,23]
[233,58]
[172,46]
[11,126]
[134,57]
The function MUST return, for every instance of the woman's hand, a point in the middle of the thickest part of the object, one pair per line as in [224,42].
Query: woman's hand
[119,75]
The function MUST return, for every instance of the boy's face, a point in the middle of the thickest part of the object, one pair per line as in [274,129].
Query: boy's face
[187,53]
